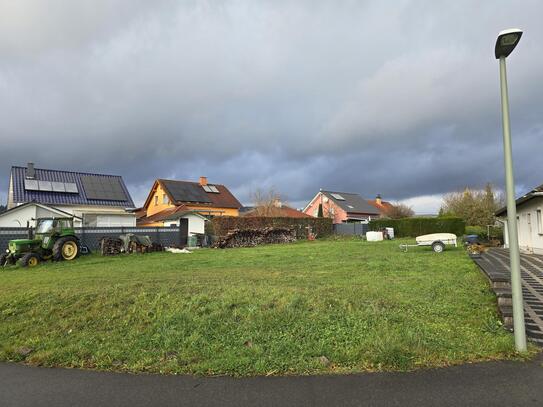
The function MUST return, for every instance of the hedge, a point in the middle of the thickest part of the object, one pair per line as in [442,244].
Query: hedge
[412,227]
[221,225]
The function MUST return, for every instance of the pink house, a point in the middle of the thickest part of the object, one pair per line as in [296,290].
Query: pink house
[342,207]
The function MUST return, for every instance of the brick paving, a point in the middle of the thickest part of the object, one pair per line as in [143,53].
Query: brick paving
[495,264]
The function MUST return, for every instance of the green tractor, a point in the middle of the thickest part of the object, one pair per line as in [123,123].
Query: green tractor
[53,239]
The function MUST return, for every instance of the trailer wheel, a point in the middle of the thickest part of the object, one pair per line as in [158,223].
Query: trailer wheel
[438,247]
[3,259]
[30,260]
[66,248]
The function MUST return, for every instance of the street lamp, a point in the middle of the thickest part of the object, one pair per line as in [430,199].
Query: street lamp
[505,44]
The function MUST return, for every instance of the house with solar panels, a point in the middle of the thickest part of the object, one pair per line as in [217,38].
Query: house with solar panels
[92,199]
[343,207]
[170,200]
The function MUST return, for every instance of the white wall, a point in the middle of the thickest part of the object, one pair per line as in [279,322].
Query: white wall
[529,226]
[115,220]
[102,216]
[18,218]
[196,224]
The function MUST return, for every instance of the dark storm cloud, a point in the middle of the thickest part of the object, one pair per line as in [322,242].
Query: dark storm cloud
[398,98]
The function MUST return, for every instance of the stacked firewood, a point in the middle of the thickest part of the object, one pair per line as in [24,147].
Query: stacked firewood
[255,237]
[110,246]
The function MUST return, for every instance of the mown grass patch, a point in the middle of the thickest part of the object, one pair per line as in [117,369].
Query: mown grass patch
[275,309]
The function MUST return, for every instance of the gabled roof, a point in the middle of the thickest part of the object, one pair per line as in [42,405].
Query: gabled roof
[186,192]
[81,197]
[351,202]
[383,206]
[536,192]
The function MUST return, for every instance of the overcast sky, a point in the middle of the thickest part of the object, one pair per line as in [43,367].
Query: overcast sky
[399,98]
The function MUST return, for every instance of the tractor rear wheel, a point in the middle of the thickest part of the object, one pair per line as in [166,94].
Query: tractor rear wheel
[66,248]
[30,260]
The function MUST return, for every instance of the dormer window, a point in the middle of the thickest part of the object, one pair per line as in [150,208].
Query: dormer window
[210,188]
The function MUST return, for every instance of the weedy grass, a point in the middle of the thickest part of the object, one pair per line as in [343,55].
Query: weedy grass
[270,310]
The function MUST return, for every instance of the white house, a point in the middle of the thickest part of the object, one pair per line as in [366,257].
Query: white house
[529,221]
[93,199]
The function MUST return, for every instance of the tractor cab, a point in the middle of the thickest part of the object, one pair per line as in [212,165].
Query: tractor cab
[52,239]
[47,229]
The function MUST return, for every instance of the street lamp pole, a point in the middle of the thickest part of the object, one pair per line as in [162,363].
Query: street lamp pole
[507,40]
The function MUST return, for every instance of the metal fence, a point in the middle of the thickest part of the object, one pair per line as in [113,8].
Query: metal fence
[351,229]
[175,236]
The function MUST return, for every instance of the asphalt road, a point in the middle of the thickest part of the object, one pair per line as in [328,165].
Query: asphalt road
[485,384]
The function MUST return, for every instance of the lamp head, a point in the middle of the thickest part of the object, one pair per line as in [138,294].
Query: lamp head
[506,42]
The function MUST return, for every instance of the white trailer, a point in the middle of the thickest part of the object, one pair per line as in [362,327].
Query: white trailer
[436,240]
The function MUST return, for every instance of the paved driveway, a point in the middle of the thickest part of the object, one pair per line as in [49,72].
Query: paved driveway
[495,263]
[481,384]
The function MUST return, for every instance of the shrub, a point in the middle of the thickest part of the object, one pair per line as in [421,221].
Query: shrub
[412,227]
[221,225]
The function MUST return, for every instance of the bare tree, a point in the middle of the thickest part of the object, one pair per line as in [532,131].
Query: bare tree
[398,211]
[267,203]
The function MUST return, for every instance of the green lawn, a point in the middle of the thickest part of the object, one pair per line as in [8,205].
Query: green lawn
[274,309]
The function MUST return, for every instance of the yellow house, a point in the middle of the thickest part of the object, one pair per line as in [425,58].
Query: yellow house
[169,196]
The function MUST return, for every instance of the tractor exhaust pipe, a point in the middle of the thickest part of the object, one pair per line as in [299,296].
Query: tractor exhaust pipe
[30,230]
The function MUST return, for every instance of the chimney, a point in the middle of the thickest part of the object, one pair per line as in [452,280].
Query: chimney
[378,199]
[30,172]
[277,203]
[203,181]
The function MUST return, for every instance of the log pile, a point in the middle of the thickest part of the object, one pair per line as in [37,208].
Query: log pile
[255,237]
[112,246]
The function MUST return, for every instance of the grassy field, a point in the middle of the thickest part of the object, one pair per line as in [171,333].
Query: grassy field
[312,307]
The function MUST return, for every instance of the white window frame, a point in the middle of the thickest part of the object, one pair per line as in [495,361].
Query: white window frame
[539,220]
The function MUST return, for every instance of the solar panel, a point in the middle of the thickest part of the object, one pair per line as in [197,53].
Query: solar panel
[31,185]
[338,197]
[186,191]
[58,187]
[71,187]
[45,186]
[103,188]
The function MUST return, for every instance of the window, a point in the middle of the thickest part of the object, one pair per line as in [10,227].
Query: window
[210,188]
[338,197]
[156,200]
[45,226]
[539,222]
[164,198]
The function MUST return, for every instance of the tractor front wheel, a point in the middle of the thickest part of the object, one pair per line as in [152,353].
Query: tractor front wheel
[66,248]
[30,260]
[6,260]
